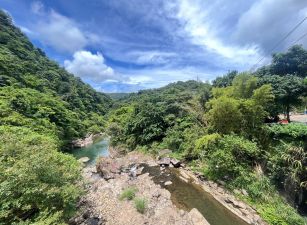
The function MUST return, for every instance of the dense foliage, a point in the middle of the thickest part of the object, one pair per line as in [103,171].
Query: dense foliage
[42,108]
[221,131]
[43,90]
[37,183]
[166,116]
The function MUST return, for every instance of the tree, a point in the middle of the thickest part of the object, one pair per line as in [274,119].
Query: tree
[293,62]
[287,90]
[244,84]
[240,108]
[225,80]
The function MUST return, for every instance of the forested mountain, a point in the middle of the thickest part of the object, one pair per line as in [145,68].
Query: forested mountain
[150,116]
[222,130]
[34,88]
[42,107]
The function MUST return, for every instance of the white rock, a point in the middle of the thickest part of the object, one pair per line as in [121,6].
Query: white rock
[167,183]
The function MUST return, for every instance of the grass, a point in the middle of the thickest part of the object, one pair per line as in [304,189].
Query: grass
[140,205]
[128,193]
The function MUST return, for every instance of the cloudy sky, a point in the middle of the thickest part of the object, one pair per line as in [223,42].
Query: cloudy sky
[127,45]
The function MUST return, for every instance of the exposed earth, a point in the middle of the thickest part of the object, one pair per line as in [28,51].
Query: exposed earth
[112,175]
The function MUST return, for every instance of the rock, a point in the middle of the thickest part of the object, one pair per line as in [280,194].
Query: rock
[197,218]
[93,221]
[82,142]
[181,212]
[107,167]
[167,183]
[139,170]
[184,179]
[84,159]
[220,182]
[184,174]
[244,192]
[156,194]
[228,200]
[237,204]
[176,163]
[164,161]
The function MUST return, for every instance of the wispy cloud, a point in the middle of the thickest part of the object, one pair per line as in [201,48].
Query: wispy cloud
[58,31]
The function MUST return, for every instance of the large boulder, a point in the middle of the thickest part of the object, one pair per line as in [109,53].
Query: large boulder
[176,163]
[107,167]
[166,161]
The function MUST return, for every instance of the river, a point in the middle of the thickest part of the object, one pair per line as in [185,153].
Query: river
[184,195]
[93,151]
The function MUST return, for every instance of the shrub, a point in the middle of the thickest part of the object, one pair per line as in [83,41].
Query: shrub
[140,204]
[206,144]
[35,178]
[232,156]
[128,193]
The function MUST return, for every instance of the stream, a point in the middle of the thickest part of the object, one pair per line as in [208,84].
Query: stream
[184,195]
[93,151]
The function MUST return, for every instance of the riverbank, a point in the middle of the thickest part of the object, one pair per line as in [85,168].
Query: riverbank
[101,203]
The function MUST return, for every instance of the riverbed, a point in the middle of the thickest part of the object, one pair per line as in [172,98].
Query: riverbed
[184,195]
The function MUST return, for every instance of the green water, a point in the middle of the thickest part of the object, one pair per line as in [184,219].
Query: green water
[93,151]
[187,196]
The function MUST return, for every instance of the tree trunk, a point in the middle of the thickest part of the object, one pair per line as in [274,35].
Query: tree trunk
[288,113]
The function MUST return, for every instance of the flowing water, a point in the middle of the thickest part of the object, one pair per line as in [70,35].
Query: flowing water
[184,195]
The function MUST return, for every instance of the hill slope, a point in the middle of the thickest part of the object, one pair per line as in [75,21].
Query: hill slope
[25,72]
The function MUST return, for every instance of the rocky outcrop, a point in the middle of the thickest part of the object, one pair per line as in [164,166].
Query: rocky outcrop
[83,142]
[167,161]
[108,168]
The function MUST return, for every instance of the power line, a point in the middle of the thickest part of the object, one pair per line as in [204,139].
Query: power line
[282,40]
[300,38]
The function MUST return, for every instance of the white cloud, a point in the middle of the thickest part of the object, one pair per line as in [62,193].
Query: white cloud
[151,57]
[197,26]
[61,33]
[267,21]
[58,31]
[90,67]
[37,7]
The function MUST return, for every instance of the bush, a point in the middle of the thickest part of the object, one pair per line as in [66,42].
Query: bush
[128,193]
[205,145]
[35,178]
[140,205]
[232,156]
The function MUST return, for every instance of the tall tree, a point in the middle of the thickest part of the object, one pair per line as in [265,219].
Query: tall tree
[294,62]
[287,89]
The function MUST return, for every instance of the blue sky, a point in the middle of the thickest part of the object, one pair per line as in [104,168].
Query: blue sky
[128,45]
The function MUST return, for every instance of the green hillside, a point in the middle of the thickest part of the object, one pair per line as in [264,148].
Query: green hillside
[37,93]
[42,108]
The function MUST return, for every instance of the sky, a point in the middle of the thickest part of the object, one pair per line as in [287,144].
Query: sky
[128,45]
